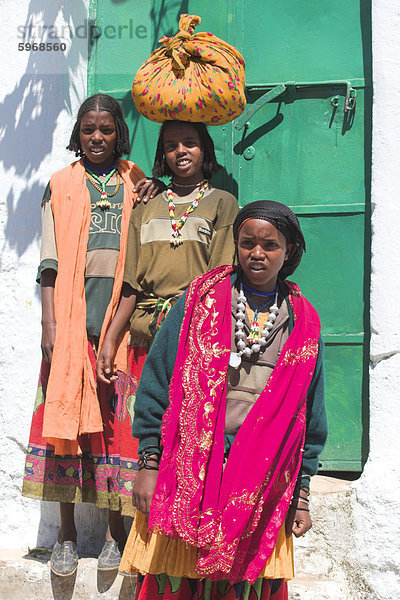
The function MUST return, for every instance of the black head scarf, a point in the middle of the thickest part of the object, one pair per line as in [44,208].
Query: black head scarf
[284,219]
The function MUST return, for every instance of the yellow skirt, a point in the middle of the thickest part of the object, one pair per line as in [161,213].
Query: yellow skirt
[154,553]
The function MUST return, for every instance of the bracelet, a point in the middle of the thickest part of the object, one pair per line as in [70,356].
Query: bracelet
[301,487]
[297,499]
[150,450]
[300,497]
[145,457]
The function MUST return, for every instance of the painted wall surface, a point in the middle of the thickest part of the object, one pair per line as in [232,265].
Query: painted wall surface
[40,92]
[377,511]
[353,551]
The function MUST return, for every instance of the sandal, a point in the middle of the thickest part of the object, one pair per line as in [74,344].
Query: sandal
[64,559]
[110,557]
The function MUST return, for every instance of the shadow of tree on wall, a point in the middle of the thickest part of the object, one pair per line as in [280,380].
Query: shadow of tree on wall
[30,113]
[159,15]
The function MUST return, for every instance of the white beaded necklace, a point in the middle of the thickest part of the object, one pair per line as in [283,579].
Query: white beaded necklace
[255,341]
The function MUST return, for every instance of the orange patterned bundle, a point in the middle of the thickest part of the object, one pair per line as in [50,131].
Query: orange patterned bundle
[191,78]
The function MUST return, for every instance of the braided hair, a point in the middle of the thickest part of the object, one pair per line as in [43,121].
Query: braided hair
[285,221]
[210,164]
[100,102]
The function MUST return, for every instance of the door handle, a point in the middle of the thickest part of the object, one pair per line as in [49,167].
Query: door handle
[244,119]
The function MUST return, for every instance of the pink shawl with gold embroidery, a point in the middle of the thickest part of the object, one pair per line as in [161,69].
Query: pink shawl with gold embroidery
[231,515]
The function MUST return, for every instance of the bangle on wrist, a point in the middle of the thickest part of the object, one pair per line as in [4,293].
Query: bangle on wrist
[150,451]
[143,463]
[147,456]
[297,499]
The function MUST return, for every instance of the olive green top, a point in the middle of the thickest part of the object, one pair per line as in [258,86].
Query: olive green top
[153,266]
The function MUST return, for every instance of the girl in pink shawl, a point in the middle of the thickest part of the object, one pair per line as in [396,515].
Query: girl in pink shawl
[231,420]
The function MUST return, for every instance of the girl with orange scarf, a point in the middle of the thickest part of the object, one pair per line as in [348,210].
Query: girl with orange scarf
[74,451]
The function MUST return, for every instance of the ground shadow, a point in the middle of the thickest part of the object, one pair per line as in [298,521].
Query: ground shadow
[41,555]
[105,579]
[128,588]
[62,587]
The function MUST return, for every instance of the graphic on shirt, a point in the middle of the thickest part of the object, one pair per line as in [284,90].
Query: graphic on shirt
[106,221]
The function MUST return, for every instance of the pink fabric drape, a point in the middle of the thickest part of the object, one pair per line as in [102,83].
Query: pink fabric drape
[232,515]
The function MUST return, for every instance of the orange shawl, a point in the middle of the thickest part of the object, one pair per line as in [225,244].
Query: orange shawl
[72,407]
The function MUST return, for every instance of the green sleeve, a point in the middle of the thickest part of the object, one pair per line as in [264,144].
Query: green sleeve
[222,247]
[316,427]
[48,251]
[48,263]
[316,421]
[152,394]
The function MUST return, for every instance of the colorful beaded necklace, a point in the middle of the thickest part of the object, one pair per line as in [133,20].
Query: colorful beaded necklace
[100,185]
[176,236]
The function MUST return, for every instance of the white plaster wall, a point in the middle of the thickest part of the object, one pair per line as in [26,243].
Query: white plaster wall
[377,509]
[40,93]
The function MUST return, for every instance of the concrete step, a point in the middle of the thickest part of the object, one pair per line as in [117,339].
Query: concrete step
[316,588]
[28,577]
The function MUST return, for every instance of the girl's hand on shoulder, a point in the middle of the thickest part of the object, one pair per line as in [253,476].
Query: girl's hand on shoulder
[147,188]
[105,361]
[143,490]
[48,339]
[298,520]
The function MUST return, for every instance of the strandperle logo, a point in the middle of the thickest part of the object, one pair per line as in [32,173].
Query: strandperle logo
[86,30]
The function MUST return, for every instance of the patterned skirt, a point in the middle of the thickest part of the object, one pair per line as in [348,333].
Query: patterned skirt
[105,471]
[162,587]
[166,569]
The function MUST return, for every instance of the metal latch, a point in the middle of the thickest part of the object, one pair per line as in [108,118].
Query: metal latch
[349,101]
[278,89]
[244,118]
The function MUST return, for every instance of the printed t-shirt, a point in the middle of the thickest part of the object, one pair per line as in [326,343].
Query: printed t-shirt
[102,252]
[154,266]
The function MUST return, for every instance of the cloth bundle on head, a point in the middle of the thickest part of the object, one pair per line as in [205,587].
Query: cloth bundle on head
[284,219]
[193,77]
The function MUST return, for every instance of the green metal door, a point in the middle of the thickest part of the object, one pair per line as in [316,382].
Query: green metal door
[304,139]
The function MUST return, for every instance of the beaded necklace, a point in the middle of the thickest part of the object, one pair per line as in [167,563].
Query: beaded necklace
[176,236]
[251,344]
[101,171]
[257,292]
[187,185]
[103,203]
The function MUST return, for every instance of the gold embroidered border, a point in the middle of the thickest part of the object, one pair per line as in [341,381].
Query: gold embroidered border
[202,347]
[307,351]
